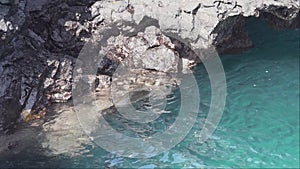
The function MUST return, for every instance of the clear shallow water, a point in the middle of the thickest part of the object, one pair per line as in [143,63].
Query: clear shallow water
[260,124]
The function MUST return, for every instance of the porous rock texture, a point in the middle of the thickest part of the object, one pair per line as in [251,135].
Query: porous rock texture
[41,39]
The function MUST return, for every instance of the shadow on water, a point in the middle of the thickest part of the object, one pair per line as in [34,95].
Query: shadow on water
[269,44]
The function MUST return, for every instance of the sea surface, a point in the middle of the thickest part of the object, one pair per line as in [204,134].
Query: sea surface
[259,127]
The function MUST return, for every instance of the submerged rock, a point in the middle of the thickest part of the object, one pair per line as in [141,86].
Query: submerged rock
[63,135]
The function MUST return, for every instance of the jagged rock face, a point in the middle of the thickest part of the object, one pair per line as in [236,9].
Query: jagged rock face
[35,66]
[61,28]
[148,50]
[10,93]
[282,17]
[232,36]
[40,39]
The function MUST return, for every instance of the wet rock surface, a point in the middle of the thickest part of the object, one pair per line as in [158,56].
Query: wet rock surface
[40,40]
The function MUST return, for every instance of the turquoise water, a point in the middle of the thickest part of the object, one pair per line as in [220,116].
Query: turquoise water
[260,124]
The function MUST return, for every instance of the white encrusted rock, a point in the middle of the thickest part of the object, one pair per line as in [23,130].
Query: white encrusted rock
[160,59]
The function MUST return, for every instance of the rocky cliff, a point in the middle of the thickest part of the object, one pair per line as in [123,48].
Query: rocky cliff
[41,39]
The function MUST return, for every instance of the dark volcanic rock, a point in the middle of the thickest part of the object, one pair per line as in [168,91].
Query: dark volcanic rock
[281,18]
[232,36]
[10,93]
[35,66]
